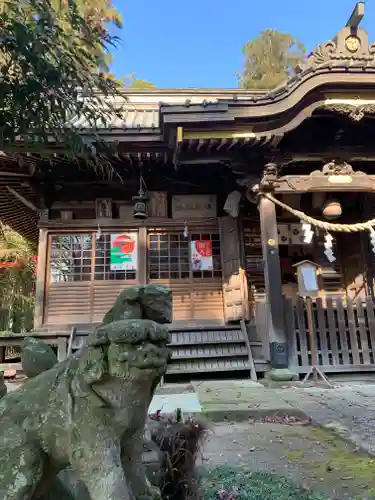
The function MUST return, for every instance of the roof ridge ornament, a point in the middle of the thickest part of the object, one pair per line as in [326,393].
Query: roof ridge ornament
[348,50]
[356,16]
[350,45]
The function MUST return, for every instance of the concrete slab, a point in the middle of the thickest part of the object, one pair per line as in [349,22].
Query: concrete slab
[168,403]
[213,384]
[12,386]
[248,399]
[174,389]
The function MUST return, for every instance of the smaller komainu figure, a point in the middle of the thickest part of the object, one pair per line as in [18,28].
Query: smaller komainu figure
[89,411]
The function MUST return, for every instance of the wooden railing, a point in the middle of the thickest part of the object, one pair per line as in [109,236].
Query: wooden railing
[344,332]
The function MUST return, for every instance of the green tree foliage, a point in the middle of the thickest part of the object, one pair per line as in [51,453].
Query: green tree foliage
[96,12]
[51,56]
[17,281]
[270,59]
[132,82]
[102,11]
[49,73]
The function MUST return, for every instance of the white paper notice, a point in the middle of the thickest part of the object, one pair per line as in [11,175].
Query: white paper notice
[310,280]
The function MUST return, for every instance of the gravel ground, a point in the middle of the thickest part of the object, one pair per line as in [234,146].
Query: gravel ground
[311,457]
[350,410]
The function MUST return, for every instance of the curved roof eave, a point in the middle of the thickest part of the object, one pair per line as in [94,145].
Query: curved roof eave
[332,67]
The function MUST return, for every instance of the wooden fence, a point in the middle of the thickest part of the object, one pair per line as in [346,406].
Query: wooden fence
[344,332]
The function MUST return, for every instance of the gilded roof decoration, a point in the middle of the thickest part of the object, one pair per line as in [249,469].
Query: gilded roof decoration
[349,49]
[349,45]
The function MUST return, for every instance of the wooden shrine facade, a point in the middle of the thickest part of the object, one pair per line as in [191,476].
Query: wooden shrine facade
[205,159]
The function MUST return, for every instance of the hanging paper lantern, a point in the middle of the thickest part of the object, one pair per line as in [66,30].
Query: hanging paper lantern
[332,209]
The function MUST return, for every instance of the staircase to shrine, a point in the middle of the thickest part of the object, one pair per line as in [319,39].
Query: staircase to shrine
[216,350]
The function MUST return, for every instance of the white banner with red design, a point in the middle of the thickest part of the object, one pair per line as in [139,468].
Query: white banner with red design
[201,255]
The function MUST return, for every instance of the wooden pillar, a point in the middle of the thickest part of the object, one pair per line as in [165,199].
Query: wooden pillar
[272,275]
[142,277]
[367,255]
[41,272]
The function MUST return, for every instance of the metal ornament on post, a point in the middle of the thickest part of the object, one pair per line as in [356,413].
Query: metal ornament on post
[308,287]
[140,201]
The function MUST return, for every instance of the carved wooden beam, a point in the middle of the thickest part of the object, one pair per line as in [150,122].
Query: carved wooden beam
[350,155]
[304,184]
[326,181]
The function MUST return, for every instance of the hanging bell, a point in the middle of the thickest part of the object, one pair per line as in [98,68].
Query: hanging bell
[332,209]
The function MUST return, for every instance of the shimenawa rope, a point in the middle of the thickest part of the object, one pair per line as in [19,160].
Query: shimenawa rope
[327,226]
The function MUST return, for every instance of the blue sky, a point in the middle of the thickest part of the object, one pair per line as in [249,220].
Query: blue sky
[197,43]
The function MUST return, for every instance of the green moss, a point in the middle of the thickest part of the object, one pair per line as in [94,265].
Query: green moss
[320,434]
[224,483]
[371,494]
[338,457]
[294,455]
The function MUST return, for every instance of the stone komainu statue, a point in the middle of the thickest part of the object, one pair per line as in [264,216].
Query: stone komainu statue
[90,410]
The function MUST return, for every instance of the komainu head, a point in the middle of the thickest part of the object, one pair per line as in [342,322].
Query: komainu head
[132,350]
[130,344]
[152,302]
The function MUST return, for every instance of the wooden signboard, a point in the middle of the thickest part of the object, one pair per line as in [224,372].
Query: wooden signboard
[307,278]
[126,212]
[190,206]
[44,215]
[66,215]
[103,208]
[157,204]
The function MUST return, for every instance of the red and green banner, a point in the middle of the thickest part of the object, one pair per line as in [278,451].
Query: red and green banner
[123,252]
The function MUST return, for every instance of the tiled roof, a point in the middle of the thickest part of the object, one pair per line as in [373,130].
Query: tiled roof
[131,118]
[140,109]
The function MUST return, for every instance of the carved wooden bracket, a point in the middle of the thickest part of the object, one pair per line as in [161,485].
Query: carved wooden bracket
[270,177]
[353,111]
[334,177]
